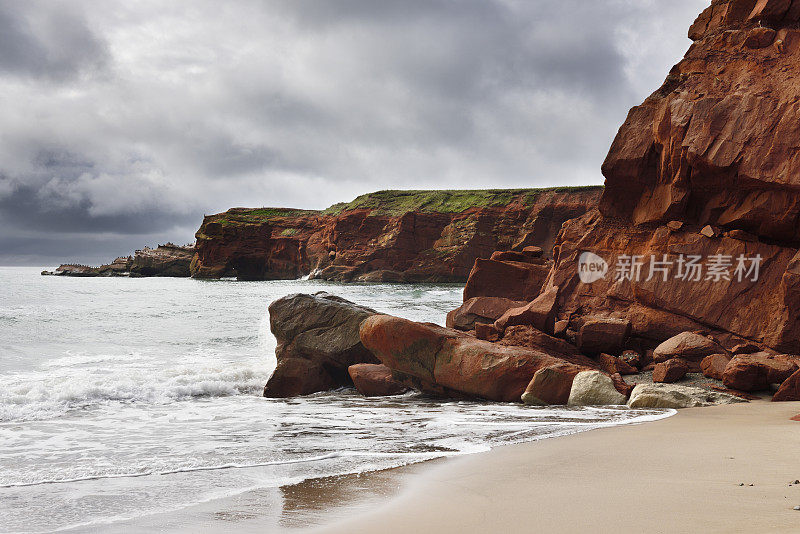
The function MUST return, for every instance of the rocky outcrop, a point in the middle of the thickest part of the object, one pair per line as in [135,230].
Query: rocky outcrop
[388,236]
[318,340]
[540,313]
[603,334]
[374,380]
[165,260]
[707,166]
[670,371]
[550,385]
[756,372]
[444,361]
[713,365]
[789,390]
[479,310]
[505,279]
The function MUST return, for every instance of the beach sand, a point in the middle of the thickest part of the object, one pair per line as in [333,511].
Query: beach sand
[680,474]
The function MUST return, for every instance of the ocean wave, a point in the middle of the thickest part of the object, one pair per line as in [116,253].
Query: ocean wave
[26,398]
[171,471]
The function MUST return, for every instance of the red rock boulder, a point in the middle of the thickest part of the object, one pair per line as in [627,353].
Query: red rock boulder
[550,385]
[375,380]
[789,390]
[479,309]
[689,346]
[539,313]
[444,359]
[612,364]
[530,337]
[506,279]
[755,372]
[298,376]
[487,332]
[713,365]
[670,371]
[603,334]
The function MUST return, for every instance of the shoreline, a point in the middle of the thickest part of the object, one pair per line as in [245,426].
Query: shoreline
[678,474]
[312,503]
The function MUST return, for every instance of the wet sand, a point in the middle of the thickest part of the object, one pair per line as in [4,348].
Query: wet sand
[681,474]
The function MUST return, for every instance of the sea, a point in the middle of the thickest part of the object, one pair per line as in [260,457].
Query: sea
[123,398]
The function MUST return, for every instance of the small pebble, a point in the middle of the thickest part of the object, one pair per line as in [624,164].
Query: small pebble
[797,507]
[797,481]
[742,484]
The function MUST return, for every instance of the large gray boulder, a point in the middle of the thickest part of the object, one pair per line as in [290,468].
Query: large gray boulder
[674,396]
[594,388]
[317,341]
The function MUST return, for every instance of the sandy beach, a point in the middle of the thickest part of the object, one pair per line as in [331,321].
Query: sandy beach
[681,474]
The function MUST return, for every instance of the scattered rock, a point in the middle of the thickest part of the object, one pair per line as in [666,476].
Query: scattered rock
[550,386]
[539,313]
[710,231]
[789,390]
[440,358]
[479,309]
[375,380]
[713,365]
[506,279]
[675,396]
[487,332]
[675,225]
[689,346]
[670,371]
[603,334]
[622,386]
[632,358]
[594,388]
[755,372]
[528,336]
[298,376]
[612,364]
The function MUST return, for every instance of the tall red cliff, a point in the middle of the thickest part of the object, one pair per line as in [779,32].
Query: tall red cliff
[412,236]
[709,166]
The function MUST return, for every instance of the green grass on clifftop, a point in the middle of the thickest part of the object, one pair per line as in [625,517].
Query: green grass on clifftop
[394,202]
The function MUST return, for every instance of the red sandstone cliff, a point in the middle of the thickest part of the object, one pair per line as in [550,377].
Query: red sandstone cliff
[708,165]
[386,236]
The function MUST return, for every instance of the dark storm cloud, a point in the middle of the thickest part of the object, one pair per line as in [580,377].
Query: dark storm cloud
[128,121]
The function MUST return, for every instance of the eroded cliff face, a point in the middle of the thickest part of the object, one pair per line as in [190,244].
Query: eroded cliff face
[403,236]
[707,166]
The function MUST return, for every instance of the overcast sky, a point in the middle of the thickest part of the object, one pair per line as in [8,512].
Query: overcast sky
[122,123]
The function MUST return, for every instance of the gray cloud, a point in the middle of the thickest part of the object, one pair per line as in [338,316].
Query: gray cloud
[128,121]
[47,40]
